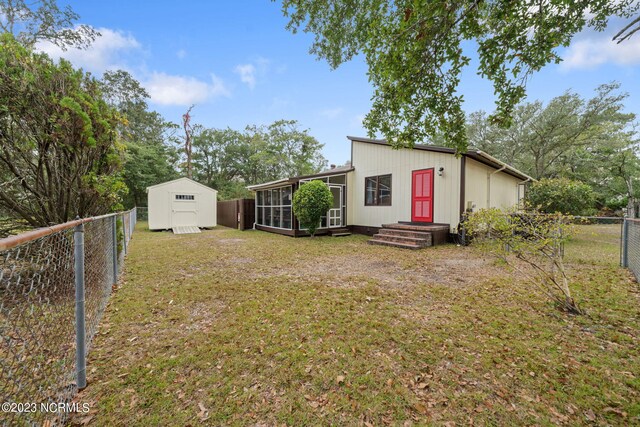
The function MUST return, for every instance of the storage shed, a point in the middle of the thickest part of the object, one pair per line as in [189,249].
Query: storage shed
[182,202]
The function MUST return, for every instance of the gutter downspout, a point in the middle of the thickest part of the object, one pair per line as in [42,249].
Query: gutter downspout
[489,184]
[519,184]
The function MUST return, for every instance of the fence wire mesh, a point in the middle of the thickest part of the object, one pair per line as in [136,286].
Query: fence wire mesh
[37,315]
[630,253]
[142,213]
[98,270]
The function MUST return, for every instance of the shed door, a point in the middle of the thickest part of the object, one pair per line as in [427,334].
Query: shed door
[422,195]
[184,209]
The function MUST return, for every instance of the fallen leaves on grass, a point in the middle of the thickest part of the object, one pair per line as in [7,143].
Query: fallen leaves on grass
[382,337]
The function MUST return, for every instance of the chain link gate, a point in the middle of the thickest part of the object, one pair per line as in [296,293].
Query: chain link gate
[630,246]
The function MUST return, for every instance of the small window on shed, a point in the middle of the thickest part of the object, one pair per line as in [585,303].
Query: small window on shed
[185,197]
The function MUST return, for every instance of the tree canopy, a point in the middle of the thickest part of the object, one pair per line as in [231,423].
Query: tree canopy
[229,160]
[34,21]
[414,51]
[589,140]
[561,195]
[150,157]
[59,151]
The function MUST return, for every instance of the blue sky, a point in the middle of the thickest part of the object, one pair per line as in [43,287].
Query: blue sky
[236,62]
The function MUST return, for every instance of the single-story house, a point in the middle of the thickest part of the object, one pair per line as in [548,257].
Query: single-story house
[411,188]
[182,203]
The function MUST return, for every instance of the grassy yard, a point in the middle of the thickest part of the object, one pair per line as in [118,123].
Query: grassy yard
[250,328]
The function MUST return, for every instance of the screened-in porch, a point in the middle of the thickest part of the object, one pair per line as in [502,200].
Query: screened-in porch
[274,211]
[273,207]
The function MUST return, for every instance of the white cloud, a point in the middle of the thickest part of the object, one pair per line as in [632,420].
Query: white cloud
[107,52]
[254,71]
[332,113]
[593,51]
[166,89]
[118,50]
[247,74]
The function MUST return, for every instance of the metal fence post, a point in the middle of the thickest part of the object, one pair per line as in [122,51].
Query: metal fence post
[124,234]
[625,243]
[81,367]
[114,226]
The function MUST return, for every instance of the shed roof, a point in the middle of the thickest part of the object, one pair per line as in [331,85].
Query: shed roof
[472,153]
[177,180]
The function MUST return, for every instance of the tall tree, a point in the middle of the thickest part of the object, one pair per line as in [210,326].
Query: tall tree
[628,30]
[59,151]
[281,149]
[150,158]
[188,144]
[221,161]
[229,160]
[592,141]
[43,20]
[414,51]
[544,137]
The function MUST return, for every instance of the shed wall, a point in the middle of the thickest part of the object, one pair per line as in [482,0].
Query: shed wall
[158,203]
[161,201]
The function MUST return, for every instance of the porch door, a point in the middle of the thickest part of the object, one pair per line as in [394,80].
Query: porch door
[335,213]
[422,195]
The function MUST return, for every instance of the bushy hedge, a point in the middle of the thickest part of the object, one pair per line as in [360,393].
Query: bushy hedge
[562,195]
[310,202]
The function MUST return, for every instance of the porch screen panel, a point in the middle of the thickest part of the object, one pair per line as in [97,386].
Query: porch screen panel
[274,207]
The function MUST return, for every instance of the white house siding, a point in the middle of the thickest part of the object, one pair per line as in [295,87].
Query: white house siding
[504,187]
[373,159]
[350,197]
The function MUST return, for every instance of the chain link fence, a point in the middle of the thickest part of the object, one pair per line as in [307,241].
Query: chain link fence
[54,286]
[630,242]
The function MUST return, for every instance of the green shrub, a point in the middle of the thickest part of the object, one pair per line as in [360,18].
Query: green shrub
[562,195]
[310,202]
[532,244]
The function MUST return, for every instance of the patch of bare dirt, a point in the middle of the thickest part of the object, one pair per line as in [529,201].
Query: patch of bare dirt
[231,241]
[202,315]
[458,268]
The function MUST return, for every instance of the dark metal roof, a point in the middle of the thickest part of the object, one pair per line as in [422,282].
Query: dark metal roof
[335,171]
[276,183]
[288,181]
[424,147]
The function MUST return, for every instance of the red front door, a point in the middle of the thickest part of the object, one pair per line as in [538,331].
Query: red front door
[422,195]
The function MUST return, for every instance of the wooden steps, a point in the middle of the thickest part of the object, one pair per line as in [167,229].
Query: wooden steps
[375,241]
[410,236]
[339,232]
